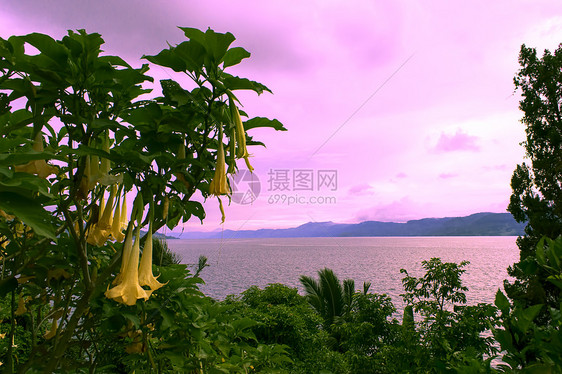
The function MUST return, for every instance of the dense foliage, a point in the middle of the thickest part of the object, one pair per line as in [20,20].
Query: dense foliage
[537,188]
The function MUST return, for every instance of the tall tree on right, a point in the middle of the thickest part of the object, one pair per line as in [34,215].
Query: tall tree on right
[537,185]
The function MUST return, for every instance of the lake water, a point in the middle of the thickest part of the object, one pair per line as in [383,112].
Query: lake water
[236,264]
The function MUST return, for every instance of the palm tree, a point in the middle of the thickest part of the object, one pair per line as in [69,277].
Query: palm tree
[328,296]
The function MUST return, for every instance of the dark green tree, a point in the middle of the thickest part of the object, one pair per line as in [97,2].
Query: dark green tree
[448,331]
[537,185]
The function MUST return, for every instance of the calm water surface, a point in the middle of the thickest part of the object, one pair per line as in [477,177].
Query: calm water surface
[236,264]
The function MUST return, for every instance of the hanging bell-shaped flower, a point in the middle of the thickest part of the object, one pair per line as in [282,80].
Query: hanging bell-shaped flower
[127,249]
[105,222]
[146,278]
[53,331]
[181,156]
[116,229]
[98,233]
[219,184]
[39,167]
[105,178]
[124,221]
[128,291]
[241,150]
[21,305]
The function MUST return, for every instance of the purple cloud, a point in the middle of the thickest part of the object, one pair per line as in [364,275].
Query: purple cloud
[448,175]
[460,141]
[361,189]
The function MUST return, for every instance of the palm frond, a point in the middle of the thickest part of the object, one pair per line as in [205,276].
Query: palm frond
[313,293]
[332,292]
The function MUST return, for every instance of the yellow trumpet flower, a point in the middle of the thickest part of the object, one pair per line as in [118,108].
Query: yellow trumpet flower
[53,331]
[110,222]
[165,207]
[241,151]
[95,172]
[116,229]
[90,177]
[223,216]
[94,175]
[181,156]
[219,184]
[124,221]
[128,291]
[106,217]
[39,167]
[239,130]
[146,278]
[250,167]
[21,305]
[96,235]
[127,249]
[104,177]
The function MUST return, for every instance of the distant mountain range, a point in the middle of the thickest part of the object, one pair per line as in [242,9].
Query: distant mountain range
[479,224]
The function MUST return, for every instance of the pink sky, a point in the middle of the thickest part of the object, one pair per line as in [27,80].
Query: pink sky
[439,138]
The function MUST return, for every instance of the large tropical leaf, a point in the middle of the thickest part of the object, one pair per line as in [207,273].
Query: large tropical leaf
[313,293]
[332,292]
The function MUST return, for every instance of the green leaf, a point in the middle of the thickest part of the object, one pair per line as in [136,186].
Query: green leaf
[115,61]
[553,258]
[540,252]
[17,119]
[531,312]
[101,124]
[504,338]
[167,319]
[192,54]
[6,172]
[264,122]
[7,285]
[25,185]
[194,208]
[502,302]
[173,91]
[29,211]
[216,44]
[132,317]
[194,34]
[169,59]
[48,46]
[555,280]
[234,55]
[237,83]
[8,159]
